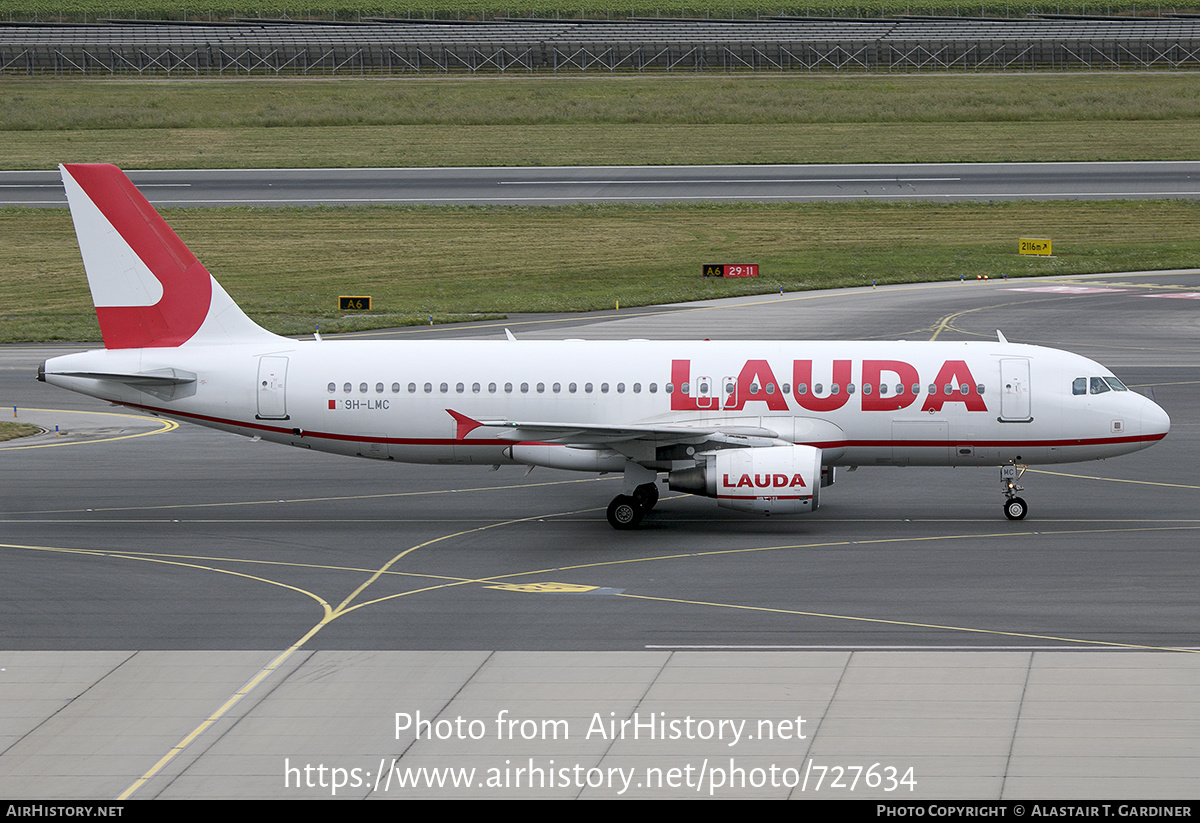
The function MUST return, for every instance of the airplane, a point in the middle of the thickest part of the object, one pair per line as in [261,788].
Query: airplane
[760,426]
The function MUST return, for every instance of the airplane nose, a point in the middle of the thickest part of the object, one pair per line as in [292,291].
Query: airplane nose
[1154,420]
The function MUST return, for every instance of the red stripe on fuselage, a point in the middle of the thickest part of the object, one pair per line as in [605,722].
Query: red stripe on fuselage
[438,441]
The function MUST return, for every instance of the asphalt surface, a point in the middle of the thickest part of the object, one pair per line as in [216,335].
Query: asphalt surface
[640,184]
[191,614]
[193,539]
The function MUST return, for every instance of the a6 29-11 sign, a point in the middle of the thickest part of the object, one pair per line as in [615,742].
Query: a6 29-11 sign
[730,270]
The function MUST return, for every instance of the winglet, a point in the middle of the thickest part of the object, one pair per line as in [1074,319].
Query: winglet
[148,288]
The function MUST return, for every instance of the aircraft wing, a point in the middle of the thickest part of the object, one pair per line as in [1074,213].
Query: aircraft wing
[598,436]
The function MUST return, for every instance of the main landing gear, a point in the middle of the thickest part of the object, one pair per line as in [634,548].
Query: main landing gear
[626,510]
[1015,508]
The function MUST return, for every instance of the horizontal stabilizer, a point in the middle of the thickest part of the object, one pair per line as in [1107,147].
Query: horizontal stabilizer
[157,377]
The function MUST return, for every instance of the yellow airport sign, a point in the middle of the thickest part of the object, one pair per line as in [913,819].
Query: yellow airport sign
[349,303]
[1034,245]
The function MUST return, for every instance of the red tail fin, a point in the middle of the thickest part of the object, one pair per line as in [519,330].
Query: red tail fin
[148,288]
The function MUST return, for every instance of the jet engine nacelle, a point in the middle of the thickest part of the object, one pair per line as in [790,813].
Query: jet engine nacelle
[774,480]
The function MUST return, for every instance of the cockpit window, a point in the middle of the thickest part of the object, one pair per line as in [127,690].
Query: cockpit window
[1099,386]
[1116,384]
[1079,385]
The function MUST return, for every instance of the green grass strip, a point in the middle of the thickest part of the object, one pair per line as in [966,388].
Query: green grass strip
[493,121]
[287,267]
[11,431]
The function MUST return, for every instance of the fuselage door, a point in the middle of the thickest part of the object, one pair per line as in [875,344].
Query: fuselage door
[1015,406]
[272,382]
[703,393]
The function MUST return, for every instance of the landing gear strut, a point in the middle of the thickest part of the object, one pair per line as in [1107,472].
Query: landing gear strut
[1015,508]
[646,496]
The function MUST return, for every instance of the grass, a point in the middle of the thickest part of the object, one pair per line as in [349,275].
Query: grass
[39,104]
[11,431]
[488,121]
[287,267]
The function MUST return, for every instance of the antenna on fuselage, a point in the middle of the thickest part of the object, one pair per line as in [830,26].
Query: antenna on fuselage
[1000,336]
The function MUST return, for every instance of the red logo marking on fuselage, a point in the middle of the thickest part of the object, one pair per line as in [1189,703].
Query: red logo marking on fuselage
[887,385]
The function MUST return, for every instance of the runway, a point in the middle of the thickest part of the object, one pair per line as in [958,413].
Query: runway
[946,182]
[335,592]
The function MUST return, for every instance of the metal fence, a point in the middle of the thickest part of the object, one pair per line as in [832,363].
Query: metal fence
[772,45]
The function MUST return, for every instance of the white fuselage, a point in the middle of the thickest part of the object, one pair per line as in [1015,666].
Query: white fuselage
[861,403]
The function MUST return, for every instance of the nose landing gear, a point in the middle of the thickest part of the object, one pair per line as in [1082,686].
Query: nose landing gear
[1015,508]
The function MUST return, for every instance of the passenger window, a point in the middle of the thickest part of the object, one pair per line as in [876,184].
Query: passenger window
[556,388]
[362,387]
[850,389]
[541,388]
[474,388]
[637,388]
[395,388]
[654,388]
[412,387]
[916,388]
[604,388]
[834,388]
[524,388]
[428,388]
[818,388]
[620,388]
[445,387]
[491,388]
[332,388]
[669,388]
[770,388]
[508,388]
[801,388]
[572,388]
[379,388]
[346,388]
[459,388]
[587,387]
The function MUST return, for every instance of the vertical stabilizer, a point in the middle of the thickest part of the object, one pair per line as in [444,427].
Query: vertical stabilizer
[148,288]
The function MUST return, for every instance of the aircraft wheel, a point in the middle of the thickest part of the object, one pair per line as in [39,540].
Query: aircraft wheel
[624,512]
[1015,509]
[646,496]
